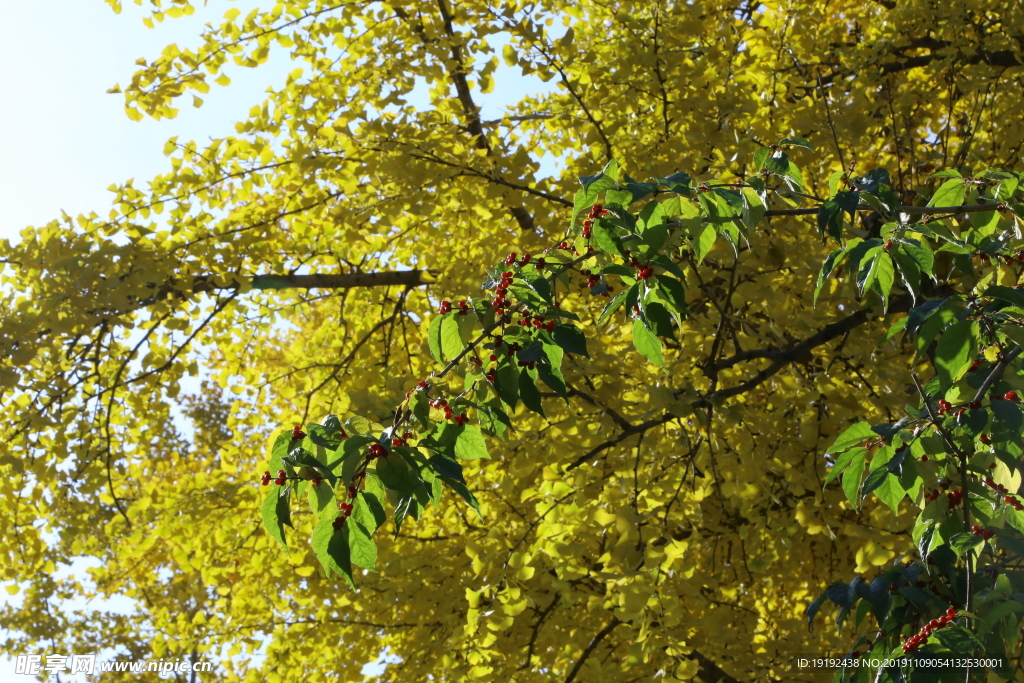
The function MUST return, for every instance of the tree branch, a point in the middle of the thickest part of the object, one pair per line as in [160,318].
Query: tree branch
[709,671]
[590,648]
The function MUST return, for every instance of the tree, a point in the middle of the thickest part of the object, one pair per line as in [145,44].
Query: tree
[658,522]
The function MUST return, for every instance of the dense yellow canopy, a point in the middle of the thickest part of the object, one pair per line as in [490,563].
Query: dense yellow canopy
[690,548]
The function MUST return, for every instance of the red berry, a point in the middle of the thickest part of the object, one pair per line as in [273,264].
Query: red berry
[587,224]
[985,439]
[893,587]
[975,405]
[510,259]
[974,366]
[1010,396]
[396,442]
[422,384]
[597,208]
[1009,499]
[316,482]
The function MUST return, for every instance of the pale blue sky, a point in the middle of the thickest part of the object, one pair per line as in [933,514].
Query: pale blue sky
[65,140]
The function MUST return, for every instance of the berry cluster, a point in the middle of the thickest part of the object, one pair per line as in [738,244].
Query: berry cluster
[944,406]
[1008,499]
[281,478]
[376,451]
[537,322]
[297,433]
[403,441]
[500,302]
[596,211]
[350,495]
[954,497]
[921,638]
[449,414]
[446,307]
[984,533]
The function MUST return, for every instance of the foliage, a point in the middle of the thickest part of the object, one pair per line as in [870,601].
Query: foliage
[661,502]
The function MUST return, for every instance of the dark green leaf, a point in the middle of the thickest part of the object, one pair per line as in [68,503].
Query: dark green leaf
[549,368]
[507,382]
[276,513]
[1008,294]
[680,183]
[528,391]
[963,542]
[571,339]
[875,479]
[959,640]
[332,549]
[614,304]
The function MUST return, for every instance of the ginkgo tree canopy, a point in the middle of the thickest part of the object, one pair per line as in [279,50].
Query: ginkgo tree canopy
[610,544]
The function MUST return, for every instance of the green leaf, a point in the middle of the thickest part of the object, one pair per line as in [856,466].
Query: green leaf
[368,511]
[852,477]
[956,350]
[321,499]
[659,320]
[890,492]
[279,450]
[959,640]
[321,436]
[842,462]
[703,240]
[540,285]
[396,474]
[833,182]
[875,479]
[893,330]
[1008,294]
[605,236]
[332,549]
[434,338]
[753,208]
[647,343]
[615,303]
[947,173]
[680,183]
[797,142]
[471,444]
[826,269]
[276,513]
[593,185]
[451,339]
[362,549]
[571,339]
[950,193]
[963,542]
[884,275]
[506,381]
[549,368]
[528,391]
[854,434]
[760,157]
[672,292]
